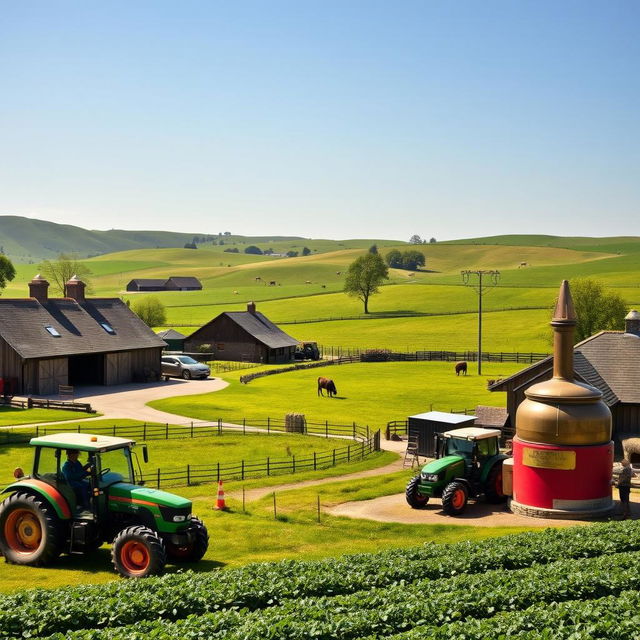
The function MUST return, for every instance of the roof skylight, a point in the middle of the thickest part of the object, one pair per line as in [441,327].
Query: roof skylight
[108,328]
[53,331]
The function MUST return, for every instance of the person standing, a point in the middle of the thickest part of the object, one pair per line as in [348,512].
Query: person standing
[624,487]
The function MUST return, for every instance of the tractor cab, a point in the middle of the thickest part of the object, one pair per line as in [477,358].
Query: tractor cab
[468,464]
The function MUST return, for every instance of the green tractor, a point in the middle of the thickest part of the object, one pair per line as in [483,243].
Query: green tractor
[43,517]
[468,464]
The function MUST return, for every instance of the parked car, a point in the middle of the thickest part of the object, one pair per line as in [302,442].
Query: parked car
[184,367]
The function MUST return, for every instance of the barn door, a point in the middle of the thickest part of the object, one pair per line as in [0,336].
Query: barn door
[51,374]
[117,368]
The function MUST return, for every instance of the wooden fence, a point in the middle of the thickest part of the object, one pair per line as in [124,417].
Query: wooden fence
[365,442]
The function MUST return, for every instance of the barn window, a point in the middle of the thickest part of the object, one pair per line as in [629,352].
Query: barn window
[53,331]
[108,328]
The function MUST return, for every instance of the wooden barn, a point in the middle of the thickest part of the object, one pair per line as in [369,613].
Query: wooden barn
[173,339]
[46,342]
[608,361]
[174,283]
[244,336]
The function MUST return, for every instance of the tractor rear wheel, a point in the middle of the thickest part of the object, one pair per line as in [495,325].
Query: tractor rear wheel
[138,552]
[194,551]
[414,499]
[454,498]
[493,488]
[30,530]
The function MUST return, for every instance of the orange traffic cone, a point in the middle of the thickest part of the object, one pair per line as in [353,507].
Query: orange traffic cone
[220,504]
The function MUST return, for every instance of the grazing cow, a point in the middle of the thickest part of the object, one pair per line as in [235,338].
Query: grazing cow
[307,281]
[324,286]
[338,273]
[272,283]
[236,293]
[329,385]
[522,264]
[258,278]
[461,367]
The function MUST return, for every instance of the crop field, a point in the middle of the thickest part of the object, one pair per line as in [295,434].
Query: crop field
[575,583]
[368,393]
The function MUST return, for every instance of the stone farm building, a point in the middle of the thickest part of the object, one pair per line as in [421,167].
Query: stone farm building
[608,361]
[46,342]
[174,283]
[244,335]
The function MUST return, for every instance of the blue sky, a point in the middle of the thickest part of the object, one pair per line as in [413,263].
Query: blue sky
[323,119]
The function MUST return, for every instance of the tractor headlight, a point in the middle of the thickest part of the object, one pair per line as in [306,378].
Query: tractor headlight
[429,477]
[179,518]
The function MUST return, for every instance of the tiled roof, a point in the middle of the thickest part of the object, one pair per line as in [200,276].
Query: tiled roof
[490,416]
[262,329]
[23,322]
[170,334]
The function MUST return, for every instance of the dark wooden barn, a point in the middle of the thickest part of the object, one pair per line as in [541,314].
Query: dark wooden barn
[174,283]
[46,342]
[608,361]
[244,336]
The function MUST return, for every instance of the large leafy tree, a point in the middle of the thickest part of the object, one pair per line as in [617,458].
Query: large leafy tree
[364,276]
[597,309]
[7,271]
[150,310]
[59,271]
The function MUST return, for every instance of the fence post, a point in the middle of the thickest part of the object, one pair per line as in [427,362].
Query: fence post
[268,426]
[244,426]
[334,457]
[218,465]
[114,430]
[243,468]
[268,466]
[219,426]
[315,462]
[144,431]
[166,430]
[354,430]
[293,464]
[348,453]
[362,456]
[158,479]
[188,475]
[192,428]
[78,428]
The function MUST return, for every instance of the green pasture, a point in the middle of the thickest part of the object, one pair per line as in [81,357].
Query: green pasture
[238,538]
[15,416]
[226,449]
[369,394]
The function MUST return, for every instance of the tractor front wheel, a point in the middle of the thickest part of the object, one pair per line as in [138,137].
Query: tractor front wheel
[194,551]
[414,499]
[30,530]
[138,552]
[493,490]
[454,498]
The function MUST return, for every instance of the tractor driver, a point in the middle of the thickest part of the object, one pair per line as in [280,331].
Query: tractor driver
[75,474]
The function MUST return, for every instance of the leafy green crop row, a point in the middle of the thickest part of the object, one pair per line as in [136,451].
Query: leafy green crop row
[430,604]
[272,585]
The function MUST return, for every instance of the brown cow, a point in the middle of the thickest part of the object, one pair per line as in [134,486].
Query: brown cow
[329,385]
[461,367]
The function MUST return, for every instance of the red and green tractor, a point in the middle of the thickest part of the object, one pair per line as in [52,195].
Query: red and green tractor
[42,517]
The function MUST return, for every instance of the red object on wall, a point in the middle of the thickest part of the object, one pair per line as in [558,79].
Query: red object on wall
[566,478]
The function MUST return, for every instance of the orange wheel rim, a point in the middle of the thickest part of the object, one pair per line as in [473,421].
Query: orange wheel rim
[22,531]
[458,499]
[135,556]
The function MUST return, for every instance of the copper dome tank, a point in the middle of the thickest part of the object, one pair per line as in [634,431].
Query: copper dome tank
[562,411]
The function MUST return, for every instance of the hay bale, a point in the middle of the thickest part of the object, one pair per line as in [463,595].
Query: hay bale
[295,423]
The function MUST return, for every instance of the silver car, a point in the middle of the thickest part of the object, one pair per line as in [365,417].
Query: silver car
[184,367]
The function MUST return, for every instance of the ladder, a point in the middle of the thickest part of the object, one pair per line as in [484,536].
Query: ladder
[411,454]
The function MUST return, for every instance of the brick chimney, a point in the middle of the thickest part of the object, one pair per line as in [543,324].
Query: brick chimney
[74,288]
[251,308]
[39,289]
[632,323]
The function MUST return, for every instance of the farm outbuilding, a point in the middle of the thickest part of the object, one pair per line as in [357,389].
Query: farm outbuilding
[243,336]
[174,339]
[174,283]
[46,342]
[423,427]
[608,361]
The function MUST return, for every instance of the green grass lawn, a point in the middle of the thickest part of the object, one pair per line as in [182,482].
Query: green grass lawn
[238,538]
[368,394]
[10,416]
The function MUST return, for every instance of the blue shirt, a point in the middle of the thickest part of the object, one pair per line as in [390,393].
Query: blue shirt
[74,472]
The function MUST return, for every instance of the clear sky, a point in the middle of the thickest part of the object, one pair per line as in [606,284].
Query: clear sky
[323,118]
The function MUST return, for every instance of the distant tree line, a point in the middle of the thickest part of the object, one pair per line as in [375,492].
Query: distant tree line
[411,259]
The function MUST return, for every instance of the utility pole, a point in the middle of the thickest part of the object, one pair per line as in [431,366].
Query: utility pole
[480,287]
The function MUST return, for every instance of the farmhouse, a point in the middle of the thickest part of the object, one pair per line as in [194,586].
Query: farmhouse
[607,360]
[46,342]
[174,283]
[244,335]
